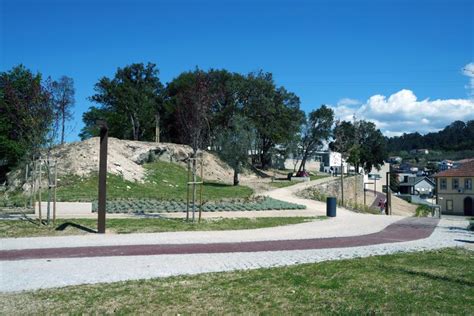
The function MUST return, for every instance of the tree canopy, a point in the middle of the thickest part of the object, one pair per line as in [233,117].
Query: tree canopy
[26,116]
[131,98]
[457,136]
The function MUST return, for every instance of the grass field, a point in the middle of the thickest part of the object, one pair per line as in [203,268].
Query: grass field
[141,225]
[164,181]
[426,283]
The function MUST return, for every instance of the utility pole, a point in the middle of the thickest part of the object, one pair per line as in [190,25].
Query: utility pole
[104,134]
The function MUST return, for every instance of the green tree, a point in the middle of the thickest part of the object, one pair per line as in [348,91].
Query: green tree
[62,95]
[191,98]
[344,135]
[316,130]
[274,111]
[372,146]
[26,116]
[234,144]
[134,96]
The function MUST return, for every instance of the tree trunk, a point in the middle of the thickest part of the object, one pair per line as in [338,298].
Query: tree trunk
[303,161]
[135,127]
[63,123]
[236,177]
[265,157]
[157,127]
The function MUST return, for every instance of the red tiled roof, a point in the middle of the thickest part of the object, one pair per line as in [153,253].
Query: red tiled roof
[464,170]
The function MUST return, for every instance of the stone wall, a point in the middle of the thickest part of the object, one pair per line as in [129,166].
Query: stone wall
[353,190]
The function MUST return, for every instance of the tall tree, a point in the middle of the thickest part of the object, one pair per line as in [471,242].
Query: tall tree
[62,95]
[26,115]
[275,113]
[234,144]
[316,130]
[372,146]
[344,135]
[193,101]
[135,94]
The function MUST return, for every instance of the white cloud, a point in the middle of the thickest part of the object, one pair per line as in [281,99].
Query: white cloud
[348,102]
[468,71]
[402,112]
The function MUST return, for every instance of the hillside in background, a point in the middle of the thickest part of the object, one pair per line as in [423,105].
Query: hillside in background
[458,136]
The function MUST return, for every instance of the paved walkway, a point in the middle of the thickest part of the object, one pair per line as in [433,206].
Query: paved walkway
[45,262]
[404,230]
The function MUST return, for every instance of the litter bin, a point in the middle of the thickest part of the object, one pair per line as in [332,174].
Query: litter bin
[331,207]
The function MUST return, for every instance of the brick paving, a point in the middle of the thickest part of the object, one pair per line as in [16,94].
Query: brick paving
[407,229]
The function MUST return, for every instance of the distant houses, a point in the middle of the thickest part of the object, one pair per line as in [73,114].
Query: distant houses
[455,193]
[413,185]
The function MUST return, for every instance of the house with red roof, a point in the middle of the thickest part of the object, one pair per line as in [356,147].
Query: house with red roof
[454,187]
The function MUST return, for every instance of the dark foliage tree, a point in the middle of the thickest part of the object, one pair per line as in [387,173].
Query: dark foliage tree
[224,90]
[316,130]
[275,113]
[193,103]
[372,146]
[457,136]
[134,95]
[26,116]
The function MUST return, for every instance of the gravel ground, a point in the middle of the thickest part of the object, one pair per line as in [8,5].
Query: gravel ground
[49,273]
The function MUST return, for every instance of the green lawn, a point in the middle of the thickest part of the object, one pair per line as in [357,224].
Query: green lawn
[164,181]
[426,283]
[141,225]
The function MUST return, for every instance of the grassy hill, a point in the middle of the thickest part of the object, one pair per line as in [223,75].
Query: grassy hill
[164,181]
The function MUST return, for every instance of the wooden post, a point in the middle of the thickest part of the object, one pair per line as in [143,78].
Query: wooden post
[187,191]
[200,191]
[101,209]
[194,189]
[39,193]
[54,192]
[26,181]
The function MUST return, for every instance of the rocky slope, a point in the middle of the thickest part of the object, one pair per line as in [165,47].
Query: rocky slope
[126,158]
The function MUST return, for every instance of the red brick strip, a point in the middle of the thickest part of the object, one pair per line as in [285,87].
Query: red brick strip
[404,230]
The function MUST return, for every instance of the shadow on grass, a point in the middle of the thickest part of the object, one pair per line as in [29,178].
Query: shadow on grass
[466,241]
[68,224]
[435,277]
[217,185]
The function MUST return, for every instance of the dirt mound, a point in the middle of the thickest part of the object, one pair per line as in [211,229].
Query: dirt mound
[402,207]
[125,158]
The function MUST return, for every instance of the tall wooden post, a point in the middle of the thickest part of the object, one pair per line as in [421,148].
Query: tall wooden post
[54,192]
[39,194]
[104,134]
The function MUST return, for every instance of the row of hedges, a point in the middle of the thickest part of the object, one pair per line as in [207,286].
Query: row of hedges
[157,206]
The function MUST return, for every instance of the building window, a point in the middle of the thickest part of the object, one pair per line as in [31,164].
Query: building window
[449,205]
[455,184]
[468,184]
[443,185]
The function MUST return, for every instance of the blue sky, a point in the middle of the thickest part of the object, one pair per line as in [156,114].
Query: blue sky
[398,63]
